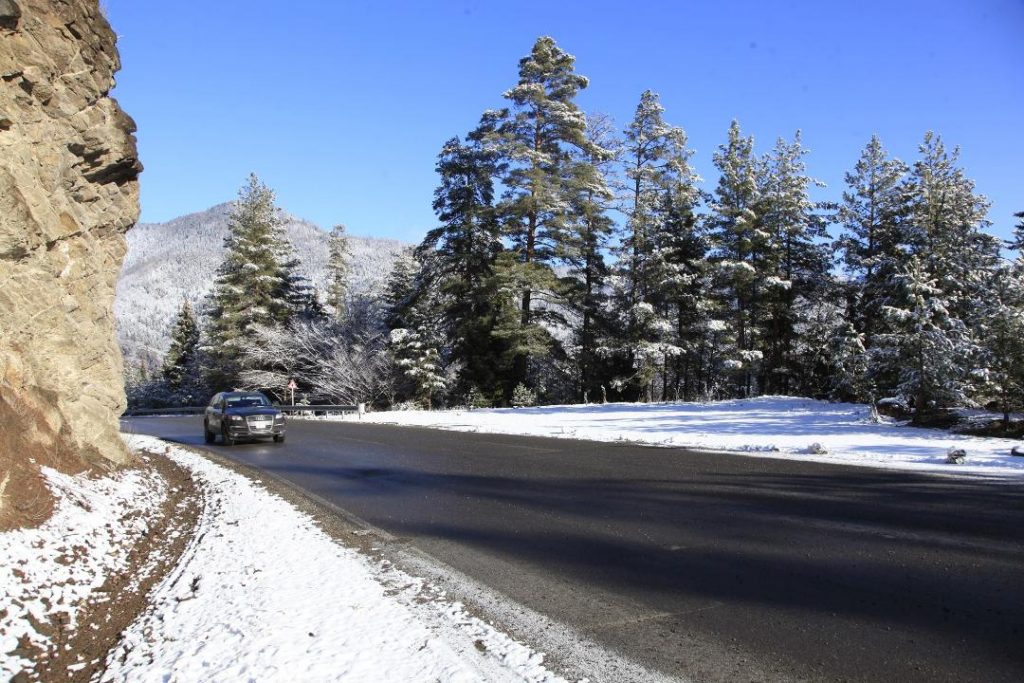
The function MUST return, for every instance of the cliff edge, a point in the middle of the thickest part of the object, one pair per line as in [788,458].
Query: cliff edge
[68,193]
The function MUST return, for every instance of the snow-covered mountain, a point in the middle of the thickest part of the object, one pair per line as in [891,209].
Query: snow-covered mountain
[177,260]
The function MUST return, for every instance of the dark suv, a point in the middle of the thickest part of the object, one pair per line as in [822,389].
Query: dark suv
[238,415]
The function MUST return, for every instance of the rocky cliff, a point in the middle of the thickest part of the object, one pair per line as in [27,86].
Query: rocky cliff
[68,193]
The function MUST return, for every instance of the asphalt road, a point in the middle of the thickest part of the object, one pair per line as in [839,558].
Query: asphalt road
[703,566]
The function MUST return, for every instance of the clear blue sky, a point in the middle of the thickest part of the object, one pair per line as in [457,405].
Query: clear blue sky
[342,106]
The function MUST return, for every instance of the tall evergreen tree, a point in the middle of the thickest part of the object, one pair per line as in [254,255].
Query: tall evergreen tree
[873,243]
[793,265]
[949,220]
[929,344]
[538,135]
[180,364]
[462,252]
[661,198]
[738,243]
[1001,333]
[583,249]
[256,283]
[679,263]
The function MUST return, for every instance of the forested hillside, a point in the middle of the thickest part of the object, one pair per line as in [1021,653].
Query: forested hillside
[169,263]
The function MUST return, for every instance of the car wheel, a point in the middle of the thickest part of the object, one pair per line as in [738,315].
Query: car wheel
[278,438]
[228,441]
[207,434]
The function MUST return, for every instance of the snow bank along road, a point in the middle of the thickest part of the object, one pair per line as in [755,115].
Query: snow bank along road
[705,566]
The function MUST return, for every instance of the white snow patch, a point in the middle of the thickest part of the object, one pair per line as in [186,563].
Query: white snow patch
[51,572]
[263,594]
[769,426]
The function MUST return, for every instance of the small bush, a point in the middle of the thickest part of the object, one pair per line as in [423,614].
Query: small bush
[476,399]
[956,456]
[523,396]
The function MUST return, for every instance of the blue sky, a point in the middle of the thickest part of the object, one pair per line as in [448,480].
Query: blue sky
[341,107]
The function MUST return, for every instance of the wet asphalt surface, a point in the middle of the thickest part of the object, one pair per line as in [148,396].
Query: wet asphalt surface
[703,566]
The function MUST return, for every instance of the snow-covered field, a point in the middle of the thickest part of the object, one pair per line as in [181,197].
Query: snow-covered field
[770,426]
[263,594]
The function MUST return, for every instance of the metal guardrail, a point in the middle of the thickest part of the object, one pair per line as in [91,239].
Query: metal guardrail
[198,410]
[318,409]
[184,410]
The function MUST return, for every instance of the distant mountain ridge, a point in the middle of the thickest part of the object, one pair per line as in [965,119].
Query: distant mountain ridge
[178,259]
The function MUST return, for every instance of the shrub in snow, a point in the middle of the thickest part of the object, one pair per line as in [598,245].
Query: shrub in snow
[476,399]
[523,396]
[817,449]
[956,456]
[1018,451]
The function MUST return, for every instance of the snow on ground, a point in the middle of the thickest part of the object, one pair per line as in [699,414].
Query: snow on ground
[770,426]
[48,574]
[263,594]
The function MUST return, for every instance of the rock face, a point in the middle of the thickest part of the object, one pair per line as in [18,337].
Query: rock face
[68,193]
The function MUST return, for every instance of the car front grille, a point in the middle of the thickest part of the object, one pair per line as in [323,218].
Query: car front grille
[260,422]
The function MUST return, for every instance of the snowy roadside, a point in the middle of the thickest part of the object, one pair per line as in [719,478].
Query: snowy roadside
[50,574]
[263,594]
[770,426]
[259,593]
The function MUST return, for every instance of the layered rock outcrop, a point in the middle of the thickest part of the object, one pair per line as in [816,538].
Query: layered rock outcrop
[68,193]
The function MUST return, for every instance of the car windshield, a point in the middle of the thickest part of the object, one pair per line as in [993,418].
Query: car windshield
[247,401]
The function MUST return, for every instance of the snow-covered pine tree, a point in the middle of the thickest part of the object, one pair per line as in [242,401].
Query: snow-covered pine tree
[793,264]
[418,344]
[337,271]
[538,134]
[679,262]
[184,345]
[462,250]
[738,242]
[1001,333]
[949,220]
[181,369]
[1017,242]
[418,360]
[953,261]
[586,241]
[873,243]
[256,282]
[930,345]
[661,197]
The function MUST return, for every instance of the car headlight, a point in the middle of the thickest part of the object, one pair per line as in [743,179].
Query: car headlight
[237,418]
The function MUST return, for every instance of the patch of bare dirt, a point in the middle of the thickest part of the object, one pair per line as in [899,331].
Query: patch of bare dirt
[80,651]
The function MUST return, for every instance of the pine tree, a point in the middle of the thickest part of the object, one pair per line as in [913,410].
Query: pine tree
[1002,336]
[662,197]
[338,271]
[462,250]
[793,264]
[928,343]
[679,263]
[873,244]
[949,220]
[583,249]
[419,362]
[738,242]
[256,283]
[538,135]
[180,368]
